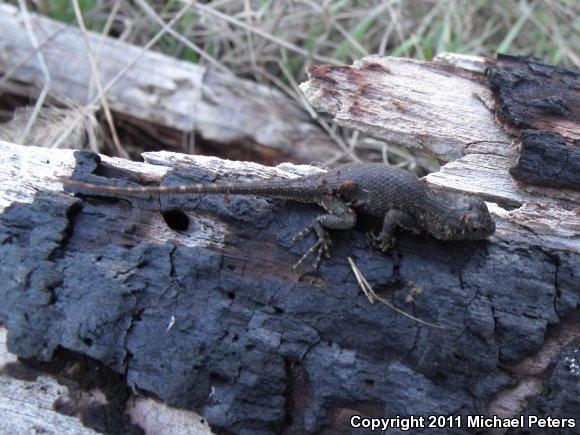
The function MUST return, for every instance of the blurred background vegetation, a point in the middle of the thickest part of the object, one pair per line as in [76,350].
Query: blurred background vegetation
[274,41]
[255,37]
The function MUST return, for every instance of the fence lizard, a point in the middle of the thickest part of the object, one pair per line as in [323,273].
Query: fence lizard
[386,192]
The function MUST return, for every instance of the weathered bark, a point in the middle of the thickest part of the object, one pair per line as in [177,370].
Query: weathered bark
[422,105]
[533,95]
[547,160]
[544,102]
[160,90]
[212,316]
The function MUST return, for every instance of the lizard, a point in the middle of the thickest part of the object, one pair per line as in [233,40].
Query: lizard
[375,189]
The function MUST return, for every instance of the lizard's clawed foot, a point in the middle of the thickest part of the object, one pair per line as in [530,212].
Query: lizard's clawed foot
[321,247]
[381,241]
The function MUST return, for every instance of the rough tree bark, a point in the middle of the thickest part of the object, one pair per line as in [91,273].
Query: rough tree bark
[194,300]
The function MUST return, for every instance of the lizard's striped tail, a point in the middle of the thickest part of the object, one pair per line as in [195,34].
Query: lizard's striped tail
[275,188]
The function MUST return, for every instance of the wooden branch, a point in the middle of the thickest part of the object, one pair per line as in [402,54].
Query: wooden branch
[450,112]
[206,312]
[160,90]
[421,105]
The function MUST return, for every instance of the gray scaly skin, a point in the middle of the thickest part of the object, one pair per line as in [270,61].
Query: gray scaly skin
[387,192]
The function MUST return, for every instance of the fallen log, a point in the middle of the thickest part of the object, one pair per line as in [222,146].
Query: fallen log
[159,90]
[194,300]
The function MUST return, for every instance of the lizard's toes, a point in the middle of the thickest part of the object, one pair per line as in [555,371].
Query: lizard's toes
[387,244]
[313,248]
[378,240]
[323,249]
[374,240]
[302,233]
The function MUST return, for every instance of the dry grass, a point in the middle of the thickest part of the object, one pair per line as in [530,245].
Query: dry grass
[274,41]
[270,38]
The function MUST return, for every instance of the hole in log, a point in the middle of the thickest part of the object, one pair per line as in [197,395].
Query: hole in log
[176,220]
[217,379]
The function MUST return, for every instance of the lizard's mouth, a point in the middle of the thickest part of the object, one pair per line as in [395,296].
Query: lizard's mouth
[474,226]
[482,231]
[477,225]
[470,226]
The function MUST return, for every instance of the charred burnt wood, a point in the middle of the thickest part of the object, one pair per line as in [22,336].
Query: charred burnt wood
[547,160]
[210,316]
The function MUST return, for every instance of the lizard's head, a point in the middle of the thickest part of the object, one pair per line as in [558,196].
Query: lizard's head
[464,218]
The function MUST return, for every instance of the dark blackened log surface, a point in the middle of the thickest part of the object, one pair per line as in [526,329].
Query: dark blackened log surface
[535,95]
[546,160]
[213,318]
[544,100]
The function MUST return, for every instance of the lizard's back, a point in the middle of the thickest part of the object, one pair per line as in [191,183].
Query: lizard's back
[375,188]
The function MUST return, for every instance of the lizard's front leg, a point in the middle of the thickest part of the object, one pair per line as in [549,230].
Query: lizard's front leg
[339,217]
[393,218]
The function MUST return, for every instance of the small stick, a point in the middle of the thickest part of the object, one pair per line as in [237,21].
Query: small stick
[372,296]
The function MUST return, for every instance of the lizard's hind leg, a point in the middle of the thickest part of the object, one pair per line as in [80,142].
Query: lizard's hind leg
[339,217]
